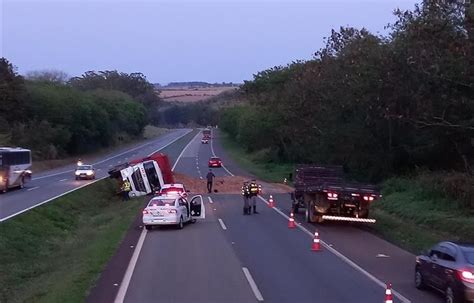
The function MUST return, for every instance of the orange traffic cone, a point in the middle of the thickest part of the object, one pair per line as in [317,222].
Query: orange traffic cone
[270,202]
[291,221]
[316,244]
[388,294]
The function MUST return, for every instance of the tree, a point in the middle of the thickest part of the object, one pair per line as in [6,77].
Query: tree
[51,75]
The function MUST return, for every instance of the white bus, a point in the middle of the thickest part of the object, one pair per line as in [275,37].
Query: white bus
[144,178]
[15,164]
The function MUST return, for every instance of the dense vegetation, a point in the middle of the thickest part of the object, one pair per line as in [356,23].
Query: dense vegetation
[189,114]
[56,117]
[380,105]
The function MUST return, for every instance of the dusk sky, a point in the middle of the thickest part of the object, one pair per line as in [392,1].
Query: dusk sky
[178,40]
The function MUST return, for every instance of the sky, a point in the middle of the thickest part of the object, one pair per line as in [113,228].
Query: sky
[179,40]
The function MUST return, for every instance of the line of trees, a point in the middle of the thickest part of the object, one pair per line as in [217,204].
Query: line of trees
[56,116]
[377,104]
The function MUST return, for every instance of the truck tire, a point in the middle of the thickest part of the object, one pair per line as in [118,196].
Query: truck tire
[309,213]
[295,208]
[317,216]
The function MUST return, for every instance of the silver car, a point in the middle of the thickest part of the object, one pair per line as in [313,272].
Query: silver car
[173,210]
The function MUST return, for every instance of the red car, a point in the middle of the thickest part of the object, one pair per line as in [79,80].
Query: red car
[215,162]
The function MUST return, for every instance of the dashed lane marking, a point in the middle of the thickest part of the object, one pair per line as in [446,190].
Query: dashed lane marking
[252,283]
[222,224]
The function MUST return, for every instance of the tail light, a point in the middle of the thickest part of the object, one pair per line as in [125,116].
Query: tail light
[172,211]
[466,275]
[332,196]
[368,198]
[145,212]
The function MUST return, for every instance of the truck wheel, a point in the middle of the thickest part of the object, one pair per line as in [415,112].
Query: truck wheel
[295,208]
[148,227]
[309,213]
[319,219]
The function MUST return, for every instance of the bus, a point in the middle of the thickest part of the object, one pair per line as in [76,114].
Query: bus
[145,178]
[15,164]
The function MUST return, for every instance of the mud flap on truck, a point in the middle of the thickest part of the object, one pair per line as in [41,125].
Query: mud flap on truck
[348,219]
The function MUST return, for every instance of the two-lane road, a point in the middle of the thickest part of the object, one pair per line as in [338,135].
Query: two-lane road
[51,184]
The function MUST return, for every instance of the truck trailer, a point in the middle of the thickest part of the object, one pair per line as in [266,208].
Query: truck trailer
[326,195]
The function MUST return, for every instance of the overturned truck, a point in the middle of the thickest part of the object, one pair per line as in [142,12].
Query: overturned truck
[325,194]
[146,175]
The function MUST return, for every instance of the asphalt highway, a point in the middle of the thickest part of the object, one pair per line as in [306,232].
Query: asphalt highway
[54,183]
[228,257]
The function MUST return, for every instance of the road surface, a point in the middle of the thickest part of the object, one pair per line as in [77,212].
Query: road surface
[228,257]
[54,183]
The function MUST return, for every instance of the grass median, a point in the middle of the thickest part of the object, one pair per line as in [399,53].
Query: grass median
[412,214]
[56,252]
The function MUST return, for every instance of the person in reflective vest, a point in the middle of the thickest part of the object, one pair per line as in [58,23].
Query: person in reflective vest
[255,189]
[126,187]
[246,197]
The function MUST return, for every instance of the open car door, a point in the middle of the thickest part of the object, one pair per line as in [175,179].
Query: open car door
[198,211]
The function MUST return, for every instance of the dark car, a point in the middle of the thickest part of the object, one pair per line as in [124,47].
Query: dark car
[449,268]
[215,162]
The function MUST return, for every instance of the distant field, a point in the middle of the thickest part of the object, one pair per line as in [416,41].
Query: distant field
[192,94]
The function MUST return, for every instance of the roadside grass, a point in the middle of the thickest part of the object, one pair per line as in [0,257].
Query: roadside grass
[267,171]
[55,252]
[149,132]
[412,214]
[416,216]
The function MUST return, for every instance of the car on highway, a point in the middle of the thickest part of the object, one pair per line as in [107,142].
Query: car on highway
[215,162]
[85,172]
[449,268]
[172,210]
[205,140]
[173,189]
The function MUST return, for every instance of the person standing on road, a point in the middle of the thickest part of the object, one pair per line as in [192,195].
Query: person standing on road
[210,177]
[126,187]
[246,197]
[254,190]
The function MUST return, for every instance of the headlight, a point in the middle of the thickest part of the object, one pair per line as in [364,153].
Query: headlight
[89,172]
[77,173]
[1,179]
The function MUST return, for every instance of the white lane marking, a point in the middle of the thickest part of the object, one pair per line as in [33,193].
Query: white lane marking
[46,201]
[62,180]
[252,283]
[182,152]
[222,224]
[33,188]
[343,258]
[118,155]
[382,256]
[210,200]
[214,155]
[131,267]
[136,253]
